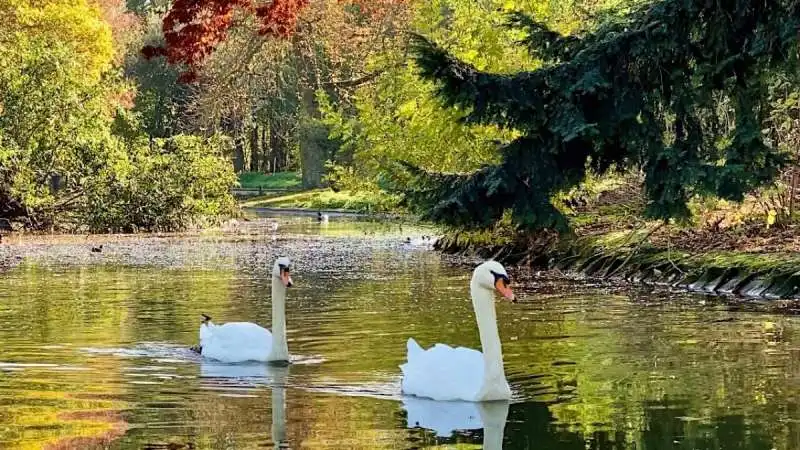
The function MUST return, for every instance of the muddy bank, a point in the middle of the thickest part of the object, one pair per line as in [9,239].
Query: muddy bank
[635,257]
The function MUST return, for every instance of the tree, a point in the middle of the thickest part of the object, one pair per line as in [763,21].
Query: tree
[400,117]
[71,155]
[640,90]
[263,89]
[161,100]
[55,56]
[193,29]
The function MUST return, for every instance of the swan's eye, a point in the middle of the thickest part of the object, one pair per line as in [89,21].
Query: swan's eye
[499,276]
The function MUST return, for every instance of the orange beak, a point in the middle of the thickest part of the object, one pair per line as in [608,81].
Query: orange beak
[286,279]
[504,290]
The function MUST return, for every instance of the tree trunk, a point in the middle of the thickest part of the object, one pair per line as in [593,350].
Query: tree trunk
[312,150]
[255,157]
[266,140]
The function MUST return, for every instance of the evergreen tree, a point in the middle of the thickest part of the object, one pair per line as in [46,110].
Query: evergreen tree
[642,89]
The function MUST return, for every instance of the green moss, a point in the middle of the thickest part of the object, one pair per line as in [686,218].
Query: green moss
[753,262]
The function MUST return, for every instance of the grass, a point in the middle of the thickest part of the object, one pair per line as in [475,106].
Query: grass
[280,180]
[363,202]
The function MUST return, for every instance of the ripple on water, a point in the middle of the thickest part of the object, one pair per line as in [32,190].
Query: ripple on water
[591,365]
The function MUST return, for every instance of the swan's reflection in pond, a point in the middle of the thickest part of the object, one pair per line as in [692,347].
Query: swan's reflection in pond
[254,374]
[593,368]
[445,418]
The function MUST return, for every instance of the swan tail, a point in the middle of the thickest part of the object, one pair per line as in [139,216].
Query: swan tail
[413,348]
[206,327]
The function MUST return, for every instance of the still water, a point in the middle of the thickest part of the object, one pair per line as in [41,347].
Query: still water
[93,350]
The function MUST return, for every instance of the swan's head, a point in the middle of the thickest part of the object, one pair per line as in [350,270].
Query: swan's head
[281,270]
[492,275]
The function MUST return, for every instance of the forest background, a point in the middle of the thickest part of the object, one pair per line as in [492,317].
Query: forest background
[108,126]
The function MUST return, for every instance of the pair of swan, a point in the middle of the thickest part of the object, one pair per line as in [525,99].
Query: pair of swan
[439,373]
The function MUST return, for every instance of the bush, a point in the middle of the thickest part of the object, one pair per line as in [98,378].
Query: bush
[180,182]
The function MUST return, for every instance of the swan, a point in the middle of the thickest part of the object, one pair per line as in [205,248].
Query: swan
[245,341]
[446,417]
[446,373]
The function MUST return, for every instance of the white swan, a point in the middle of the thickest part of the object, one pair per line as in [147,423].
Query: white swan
[245,341]
[446,417]
[446,373]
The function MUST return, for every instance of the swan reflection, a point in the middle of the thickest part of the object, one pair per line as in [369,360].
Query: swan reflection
[446,417]
[274,376]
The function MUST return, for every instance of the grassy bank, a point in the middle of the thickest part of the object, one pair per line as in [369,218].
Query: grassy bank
[277,181]
[326,199]
[728,249]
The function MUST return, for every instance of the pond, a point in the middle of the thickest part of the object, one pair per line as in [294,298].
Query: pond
[93,350]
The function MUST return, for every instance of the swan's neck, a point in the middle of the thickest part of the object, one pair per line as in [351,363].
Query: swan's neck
[279,350]
[493,373]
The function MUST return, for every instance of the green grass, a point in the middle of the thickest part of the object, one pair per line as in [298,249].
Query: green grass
[280,180]
[364,202]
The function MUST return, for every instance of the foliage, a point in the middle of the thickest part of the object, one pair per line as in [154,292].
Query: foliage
[400,117]
[260,90]
[640,90]
[54,91]
[280,180]
[193,29]
[161,101]
[167,187]
[70,155]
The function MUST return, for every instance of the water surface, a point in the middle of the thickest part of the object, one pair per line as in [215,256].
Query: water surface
[93,350]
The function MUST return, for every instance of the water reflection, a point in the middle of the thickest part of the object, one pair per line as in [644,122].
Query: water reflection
[94,349]
[445,418]
[251,373]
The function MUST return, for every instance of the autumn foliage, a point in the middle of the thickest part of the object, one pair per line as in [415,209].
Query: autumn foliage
[193,28]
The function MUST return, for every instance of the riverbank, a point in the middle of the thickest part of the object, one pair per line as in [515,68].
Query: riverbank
[746,257]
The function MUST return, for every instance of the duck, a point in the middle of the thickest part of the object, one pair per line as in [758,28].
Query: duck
[446,373]
[236,342]
[273,226]
[97,249]
[323,218]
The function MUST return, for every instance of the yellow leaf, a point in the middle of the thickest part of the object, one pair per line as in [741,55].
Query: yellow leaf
[771,217]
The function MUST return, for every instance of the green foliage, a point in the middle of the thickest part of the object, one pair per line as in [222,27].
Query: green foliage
[641,90]
[54,116]
[399,117]
[280,180]
[70,155]
[161,101]
[168,187]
